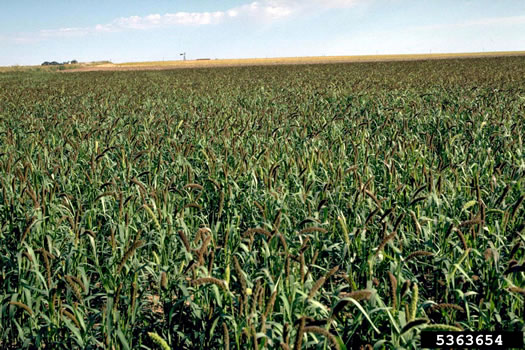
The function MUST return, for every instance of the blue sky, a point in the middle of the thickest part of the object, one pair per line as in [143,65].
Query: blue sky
[32,31]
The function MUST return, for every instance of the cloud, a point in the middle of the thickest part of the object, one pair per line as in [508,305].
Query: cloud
[141,23]
[262,11]
[258,11]
[167,20]
[335,3]
[65,32]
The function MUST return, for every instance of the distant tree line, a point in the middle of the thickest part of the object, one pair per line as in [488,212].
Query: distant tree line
[55,63]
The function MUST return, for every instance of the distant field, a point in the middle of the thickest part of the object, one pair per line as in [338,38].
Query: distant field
[328,206]
[207,63]
[159,65]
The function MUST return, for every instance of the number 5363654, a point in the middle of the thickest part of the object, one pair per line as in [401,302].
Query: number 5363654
[468,340]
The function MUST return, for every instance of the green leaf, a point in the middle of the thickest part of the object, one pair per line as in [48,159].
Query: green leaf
[122,339]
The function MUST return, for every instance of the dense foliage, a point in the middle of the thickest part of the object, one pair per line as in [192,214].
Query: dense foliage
[321,206]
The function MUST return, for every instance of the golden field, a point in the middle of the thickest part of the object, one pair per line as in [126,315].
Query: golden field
[160,65]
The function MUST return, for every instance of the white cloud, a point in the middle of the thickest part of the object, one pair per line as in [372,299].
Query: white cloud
[66,32]
[321,4]
[168,19]
[262,10]
[335,3]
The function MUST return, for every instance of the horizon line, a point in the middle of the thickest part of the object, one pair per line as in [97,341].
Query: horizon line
[370,57]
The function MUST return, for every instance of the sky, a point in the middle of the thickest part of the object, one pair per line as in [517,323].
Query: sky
[33,31]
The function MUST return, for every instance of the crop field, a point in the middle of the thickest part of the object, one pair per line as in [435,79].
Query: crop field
[328,206]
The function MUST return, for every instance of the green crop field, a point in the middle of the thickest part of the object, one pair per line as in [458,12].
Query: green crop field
[331,206]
